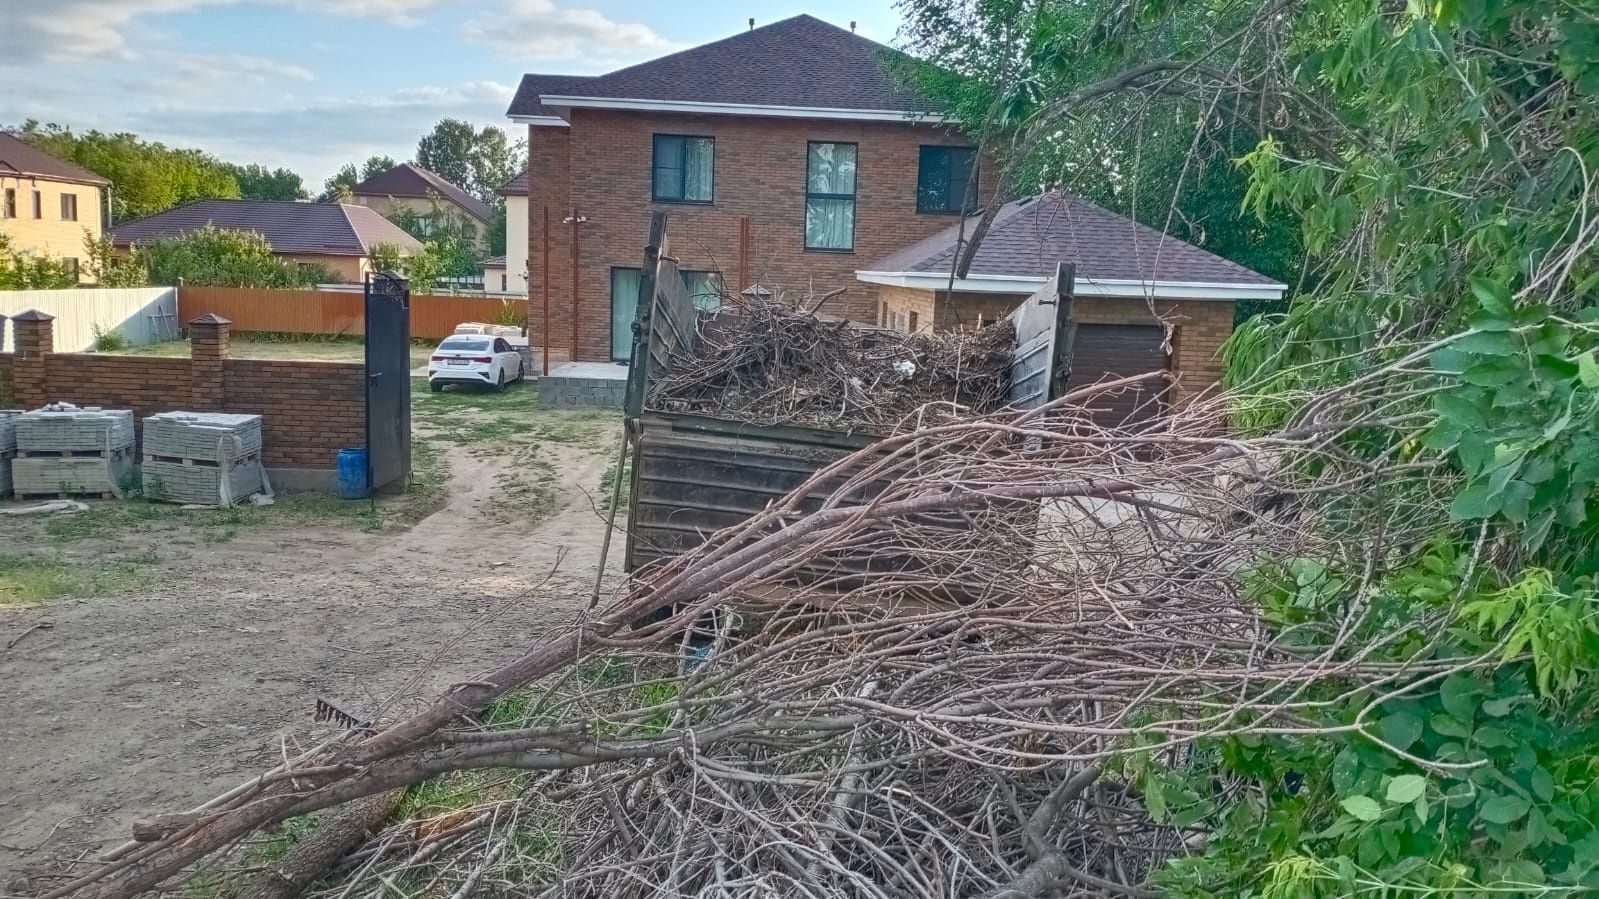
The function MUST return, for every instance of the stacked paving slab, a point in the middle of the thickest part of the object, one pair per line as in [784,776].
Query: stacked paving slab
[8,447]
[190,457]
[65,450]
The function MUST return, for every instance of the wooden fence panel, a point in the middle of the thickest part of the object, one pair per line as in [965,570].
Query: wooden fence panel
[334,312]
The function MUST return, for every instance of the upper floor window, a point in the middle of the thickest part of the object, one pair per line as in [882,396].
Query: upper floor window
[9,209]
[38,204]
[830,196]
[944,178]
[69,207]
[683,168]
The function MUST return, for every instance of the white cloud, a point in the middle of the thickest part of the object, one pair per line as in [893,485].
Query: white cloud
[317,136]
[539,29]
[96,29]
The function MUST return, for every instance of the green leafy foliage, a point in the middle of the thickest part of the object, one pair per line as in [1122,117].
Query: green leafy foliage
[22,270]
[480,160]
[224,258]
[148,177]
[338,186]
[1436,162]
[257,182]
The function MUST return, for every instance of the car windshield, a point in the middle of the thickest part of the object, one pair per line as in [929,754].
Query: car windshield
[474,344]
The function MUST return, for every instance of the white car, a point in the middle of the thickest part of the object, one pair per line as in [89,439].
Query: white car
[474,359]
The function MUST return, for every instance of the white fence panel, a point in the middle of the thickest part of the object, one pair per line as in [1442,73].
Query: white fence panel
[140,314]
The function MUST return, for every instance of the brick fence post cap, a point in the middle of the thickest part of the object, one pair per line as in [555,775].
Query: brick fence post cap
[33,315]
[210,318]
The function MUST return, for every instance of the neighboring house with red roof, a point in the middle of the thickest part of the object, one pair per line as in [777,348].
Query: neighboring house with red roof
[340,236]
[47,204]
[792,158]
[409,186]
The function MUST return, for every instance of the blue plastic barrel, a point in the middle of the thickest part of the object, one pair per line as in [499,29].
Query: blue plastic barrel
[352,472]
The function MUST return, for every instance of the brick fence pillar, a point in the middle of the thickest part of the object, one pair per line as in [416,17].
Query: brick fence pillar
[208,347]
[34,335]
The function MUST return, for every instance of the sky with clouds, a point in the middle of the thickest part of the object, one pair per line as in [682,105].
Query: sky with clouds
[312,84]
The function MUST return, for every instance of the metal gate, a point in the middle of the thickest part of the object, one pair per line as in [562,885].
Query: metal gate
[388,381]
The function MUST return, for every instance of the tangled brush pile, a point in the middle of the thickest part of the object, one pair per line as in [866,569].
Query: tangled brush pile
[774,363]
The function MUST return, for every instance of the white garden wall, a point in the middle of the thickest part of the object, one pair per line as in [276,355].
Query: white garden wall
[140,314]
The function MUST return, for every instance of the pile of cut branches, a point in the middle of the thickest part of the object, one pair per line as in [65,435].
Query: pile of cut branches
[768,360]
[775,734]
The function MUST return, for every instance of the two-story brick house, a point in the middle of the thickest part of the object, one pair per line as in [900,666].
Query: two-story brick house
[788,156]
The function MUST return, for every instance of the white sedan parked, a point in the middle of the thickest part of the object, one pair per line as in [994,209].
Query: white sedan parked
[474,359]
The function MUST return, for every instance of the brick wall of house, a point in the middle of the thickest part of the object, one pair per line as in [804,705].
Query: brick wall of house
[759,174]
[897,305]
[309,409]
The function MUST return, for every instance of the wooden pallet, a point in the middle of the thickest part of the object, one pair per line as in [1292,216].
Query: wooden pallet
[201,463]
[40,497]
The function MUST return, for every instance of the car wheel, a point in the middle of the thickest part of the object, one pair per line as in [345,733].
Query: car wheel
[499,384]
[436,386]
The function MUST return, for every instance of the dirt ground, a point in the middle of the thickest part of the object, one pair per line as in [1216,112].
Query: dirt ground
[173,680]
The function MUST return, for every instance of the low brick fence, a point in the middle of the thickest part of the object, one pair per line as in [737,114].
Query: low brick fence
[309,409]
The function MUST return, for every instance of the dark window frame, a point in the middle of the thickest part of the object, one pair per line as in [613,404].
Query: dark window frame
[960,205]
[655,186]
[853,198]
[38,204]
[8,204]
[69,203]
[70,263]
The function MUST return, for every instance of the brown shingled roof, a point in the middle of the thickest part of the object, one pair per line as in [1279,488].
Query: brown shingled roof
[411,180]
[516,187]
[18,158]
[323,229]
[797,62]
[1030,236]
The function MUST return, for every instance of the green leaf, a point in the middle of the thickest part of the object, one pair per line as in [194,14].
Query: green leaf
[1492,296]
[1406,788]
[1478,500]
[1400,729]
[1363,807]
[1459,693]
[1504,809]
[1543,786]
[1451,727]
[1588,370]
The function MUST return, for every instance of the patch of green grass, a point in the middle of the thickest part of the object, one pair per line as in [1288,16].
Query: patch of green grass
[608,481]
[535,853]
[30,580]
[603,671]
[271,850]
[513,710]
[654,694]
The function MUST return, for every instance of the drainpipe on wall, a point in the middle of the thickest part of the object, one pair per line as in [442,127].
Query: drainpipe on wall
[575,220]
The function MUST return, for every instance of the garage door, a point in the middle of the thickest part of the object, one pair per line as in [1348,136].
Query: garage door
[1103,352]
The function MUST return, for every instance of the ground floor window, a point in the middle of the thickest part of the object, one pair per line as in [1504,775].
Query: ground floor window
[704,287]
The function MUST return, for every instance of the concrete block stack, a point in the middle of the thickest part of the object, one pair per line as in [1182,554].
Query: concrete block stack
[8,447]
[66,450]
[202,458]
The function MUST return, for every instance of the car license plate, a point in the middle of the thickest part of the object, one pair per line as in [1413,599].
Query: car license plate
[460,362]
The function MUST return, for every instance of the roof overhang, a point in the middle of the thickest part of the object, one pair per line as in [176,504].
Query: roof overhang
[546,120]
[739,109]
[1083,286]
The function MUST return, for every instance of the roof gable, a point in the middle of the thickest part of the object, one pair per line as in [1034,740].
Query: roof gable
[798,63]
[516,187]
[18,158]
[315,229]
[1029,237]
[411,180]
